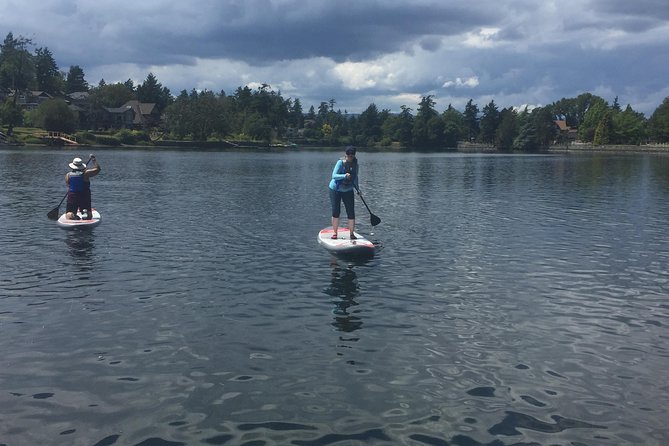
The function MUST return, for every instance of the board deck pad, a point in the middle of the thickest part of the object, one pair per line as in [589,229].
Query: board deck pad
[70,224]
[343,243]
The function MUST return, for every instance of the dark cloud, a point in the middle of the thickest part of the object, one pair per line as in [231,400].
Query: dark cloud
[656,9]
[356,52]
[346,30]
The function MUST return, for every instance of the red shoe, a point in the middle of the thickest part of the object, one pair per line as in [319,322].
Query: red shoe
[334,237]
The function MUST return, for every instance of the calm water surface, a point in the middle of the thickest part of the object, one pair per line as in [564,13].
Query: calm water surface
[512,300]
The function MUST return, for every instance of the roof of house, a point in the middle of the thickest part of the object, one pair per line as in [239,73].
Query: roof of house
[40,93]
[562,125]
[144,108]
[141,110]
[121,109]
[79,95]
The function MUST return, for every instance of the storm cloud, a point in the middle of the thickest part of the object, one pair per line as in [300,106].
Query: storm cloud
[390,53]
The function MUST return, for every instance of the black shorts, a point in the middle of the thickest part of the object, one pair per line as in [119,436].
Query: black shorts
[78,201]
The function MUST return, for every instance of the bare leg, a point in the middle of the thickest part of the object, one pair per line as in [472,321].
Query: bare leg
[335,224]
[351,227]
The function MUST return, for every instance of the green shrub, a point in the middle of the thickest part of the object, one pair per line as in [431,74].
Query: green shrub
[107,140]
[32,140]
[126,136]
[86,137]
[386,142]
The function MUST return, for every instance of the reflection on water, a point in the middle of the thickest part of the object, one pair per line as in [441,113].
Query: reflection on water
[344,287]
[80,243]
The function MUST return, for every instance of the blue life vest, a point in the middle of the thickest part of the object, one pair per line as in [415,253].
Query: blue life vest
[351,168]
[76,181]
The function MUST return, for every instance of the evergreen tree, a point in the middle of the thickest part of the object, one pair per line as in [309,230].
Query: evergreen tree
[507,129]
[178,115]
[597,110]
[658,124]
[424,127]
[471,120]
[206,115]
[488,124]
[628,127]
[17,69]
[151,91]
[454,126]
[537,130]
[397,127]
[16,73]
[130,85]
[75,80]
[48,77]
[526,140]
[322,114]
[405,126]
[545,127]
[295,115]
[370,125]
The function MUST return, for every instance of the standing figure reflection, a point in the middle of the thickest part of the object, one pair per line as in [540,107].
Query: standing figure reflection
[80,244]
[344,287]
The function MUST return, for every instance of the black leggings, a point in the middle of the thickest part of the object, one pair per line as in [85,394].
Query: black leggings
[335,200]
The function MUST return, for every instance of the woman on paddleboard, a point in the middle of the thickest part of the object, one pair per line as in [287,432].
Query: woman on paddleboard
[344,180]
[78,182]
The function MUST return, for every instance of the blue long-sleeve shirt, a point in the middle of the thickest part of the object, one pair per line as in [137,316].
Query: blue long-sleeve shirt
[339,174]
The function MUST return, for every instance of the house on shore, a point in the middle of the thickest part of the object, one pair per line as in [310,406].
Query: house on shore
[30,100]
[132,115]
[567,134]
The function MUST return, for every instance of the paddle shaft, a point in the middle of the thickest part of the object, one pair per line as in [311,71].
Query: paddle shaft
[374,219]
[363,201]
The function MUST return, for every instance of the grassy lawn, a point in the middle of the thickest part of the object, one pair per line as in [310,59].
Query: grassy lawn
[27,135]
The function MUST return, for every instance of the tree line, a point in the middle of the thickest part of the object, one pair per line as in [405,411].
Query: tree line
[263,114]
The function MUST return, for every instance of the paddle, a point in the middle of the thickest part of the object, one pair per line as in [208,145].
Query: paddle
[53,213]
[374,220]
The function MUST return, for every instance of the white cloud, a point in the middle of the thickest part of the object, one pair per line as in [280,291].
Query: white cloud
[359,75]
[482,38]
[469,82]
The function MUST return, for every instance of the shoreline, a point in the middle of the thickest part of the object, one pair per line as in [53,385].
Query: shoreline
[573,148]
[612,148]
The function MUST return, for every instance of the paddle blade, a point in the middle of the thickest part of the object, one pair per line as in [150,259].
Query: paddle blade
[53,213]
[374,219]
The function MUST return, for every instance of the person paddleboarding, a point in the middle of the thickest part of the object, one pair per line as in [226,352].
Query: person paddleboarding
[78,182]
[344,181]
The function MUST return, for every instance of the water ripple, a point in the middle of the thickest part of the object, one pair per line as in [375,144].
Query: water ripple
[512,300]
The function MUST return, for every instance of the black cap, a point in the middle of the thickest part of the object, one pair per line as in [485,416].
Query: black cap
[350,150]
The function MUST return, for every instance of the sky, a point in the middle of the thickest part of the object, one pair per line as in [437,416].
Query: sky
[360,52]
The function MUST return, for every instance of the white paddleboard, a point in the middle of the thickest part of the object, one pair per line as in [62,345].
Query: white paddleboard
[70,224]
[343,243]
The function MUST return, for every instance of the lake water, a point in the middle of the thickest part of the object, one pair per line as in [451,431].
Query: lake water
[512,300]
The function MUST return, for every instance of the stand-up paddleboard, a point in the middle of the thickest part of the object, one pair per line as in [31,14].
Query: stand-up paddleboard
[66,223]
[343,244]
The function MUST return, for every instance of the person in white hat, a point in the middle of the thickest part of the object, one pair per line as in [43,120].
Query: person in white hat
[79,188]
